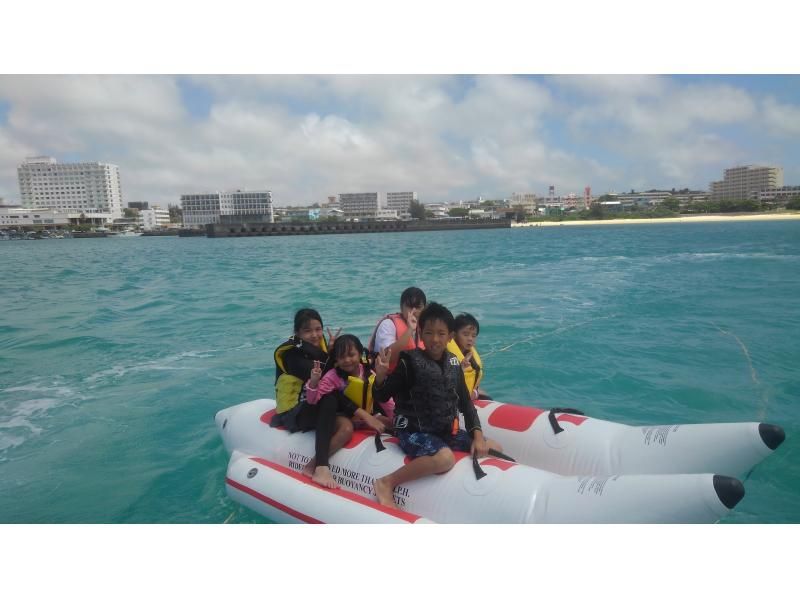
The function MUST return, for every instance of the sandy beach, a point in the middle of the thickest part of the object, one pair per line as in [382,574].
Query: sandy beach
[702,218]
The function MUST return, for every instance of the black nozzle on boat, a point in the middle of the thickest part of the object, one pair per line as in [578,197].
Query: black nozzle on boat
[772,435]
[729,490]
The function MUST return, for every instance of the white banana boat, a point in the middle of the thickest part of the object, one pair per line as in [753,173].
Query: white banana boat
[264,475]
[573,444]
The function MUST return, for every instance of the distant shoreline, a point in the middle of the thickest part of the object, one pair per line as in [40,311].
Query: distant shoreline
[683,219]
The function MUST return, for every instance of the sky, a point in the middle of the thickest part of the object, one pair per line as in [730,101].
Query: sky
[448,137]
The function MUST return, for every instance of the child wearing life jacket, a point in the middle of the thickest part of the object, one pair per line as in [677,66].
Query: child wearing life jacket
[351,377]
[463,347]
[298,360]
[429,390]
[398,331]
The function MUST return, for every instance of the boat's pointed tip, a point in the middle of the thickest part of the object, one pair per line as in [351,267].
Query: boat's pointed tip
[772,435]
[729,490]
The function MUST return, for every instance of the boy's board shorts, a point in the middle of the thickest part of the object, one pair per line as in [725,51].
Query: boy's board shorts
[422,444]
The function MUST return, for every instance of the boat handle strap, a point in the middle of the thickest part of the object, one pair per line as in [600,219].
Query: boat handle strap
[557,429]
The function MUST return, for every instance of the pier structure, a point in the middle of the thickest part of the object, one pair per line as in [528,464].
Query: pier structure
[265,229]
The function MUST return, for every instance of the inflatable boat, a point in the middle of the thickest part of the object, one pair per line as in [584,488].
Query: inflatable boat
[264,475]
[567,442]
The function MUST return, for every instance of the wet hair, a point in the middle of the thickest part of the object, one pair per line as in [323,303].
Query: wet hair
[413,297]
[436,311]
[304,316]
[464,320]
[341,346]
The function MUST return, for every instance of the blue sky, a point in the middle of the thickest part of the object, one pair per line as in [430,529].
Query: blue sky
[447,137]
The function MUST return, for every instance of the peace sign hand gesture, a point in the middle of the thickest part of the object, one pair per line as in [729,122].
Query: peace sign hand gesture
[465,363]
[382,362]
[316,374]
[332,336]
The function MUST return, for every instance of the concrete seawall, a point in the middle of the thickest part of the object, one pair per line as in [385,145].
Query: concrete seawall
[261,229]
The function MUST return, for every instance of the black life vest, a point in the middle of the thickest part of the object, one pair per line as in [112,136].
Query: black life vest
[431,404]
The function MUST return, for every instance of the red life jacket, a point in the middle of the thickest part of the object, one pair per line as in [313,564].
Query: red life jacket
[401,327]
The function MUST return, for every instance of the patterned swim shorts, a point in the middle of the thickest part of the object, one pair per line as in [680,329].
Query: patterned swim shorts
[422,444]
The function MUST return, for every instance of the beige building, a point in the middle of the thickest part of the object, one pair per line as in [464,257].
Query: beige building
[83,186]
[400,201]
[360,205]
[742,182]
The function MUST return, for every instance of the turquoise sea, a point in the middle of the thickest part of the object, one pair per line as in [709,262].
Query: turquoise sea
[115,354]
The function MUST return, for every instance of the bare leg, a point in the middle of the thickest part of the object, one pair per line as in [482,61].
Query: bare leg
[418,468]
[343,431]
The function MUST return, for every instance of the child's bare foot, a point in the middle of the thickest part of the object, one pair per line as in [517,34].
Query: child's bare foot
[384,492]
[322,476]
[308,468]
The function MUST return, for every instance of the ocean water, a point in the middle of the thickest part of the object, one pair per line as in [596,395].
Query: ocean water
[115,354]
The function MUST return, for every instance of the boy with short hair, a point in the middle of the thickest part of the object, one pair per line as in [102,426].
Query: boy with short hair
[429,390]
[463,347]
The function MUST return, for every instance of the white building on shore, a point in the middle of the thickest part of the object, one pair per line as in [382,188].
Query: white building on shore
[19,217]
[207,208]
[154,218]
[400,201]
[360,205]
[743,182]
[75,187]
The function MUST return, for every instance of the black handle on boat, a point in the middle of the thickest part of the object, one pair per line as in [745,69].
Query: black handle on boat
[479,473]
[500,455]
[557,429]
[378,443]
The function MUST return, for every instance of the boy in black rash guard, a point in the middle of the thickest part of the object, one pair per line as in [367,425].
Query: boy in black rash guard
[429,390]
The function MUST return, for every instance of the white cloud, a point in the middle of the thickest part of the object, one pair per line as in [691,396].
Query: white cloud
[782,119]
[447,137]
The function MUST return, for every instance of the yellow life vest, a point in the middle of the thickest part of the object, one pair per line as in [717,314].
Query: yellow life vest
[472,377]
[355,392]
[288,388]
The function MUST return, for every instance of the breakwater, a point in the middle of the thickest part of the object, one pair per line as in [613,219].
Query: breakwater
[262,229]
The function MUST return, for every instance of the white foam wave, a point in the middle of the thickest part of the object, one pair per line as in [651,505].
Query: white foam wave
[8,441]
[60,391]
[164,363]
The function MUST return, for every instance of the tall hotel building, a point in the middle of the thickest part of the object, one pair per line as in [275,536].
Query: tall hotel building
[88,187]
[400,201]
[744,182]
[207,208]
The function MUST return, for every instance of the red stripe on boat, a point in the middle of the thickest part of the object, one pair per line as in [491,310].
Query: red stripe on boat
[410,517]
[482,403]
[267,417]
[272,502]
[499,463]
[516,418]
[573,419]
